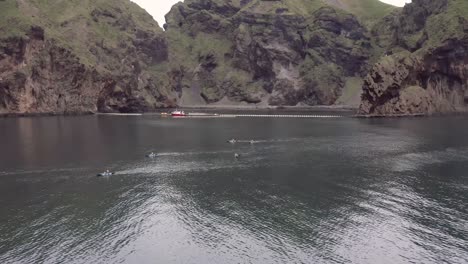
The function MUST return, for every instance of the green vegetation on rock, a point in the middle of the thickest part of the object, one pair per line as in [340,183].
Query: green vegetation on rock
[294,51]
[12,22]
[101,55]
[428,48]
[115,44]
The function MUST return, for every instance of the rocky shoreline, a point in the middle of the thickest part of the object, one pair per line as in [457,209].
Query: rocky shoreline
[9,115]
[252,54]
[349,112]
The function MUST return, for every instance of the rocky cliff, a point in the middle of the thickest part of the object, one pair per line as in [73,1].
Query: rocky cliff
[110,56]
[80,56]
[426,70]
[276,52]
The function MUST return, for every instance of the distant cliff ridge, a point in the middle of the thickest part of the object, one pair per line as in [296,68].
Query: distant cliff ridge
[81,56]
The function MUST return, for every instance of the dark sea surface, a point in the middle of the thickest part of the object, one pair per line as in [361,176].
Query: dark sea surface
[308,191]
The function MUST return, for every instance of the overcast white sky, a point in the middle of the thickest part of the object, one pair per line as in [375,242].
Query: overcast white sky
[159,8]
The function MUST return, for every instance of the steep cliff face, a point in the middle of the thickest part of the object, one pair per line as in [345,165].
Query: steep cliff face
[80,56]
[98,55]
[39,76]
[428,70]
[268,52]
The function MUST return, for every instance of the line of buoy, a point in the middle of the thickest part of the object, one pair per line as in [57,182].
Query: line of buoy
[282,116]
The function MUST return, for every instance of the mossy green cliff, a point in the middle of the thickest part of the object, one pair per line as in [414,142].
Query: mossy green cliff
[77,56]
[290,52]
[426,70]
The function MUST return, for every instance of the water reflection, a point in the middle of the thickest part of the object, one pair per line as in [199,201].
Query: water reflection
[347,191]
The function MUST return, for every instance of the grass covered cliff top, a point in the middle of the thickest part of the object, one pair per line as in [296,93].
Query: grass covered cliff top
[77,24]
[368,11]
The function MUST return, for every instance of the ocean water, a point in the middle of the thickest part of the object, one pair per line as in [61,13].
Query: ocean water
[308,191]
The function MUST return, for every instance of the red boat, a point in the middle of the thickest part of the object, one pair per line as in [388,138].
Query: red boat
[178,113]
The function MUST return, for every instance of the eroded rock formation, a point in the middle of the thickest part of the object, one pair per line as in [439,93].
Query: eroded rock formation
[428,71]
[76,64]
[267,52]
[111,56]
